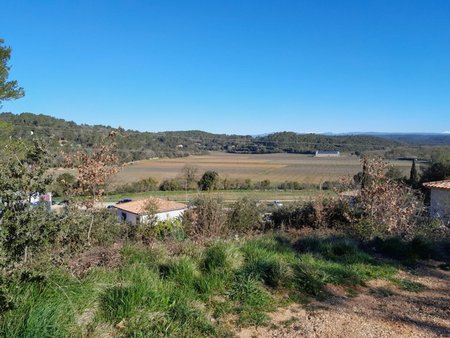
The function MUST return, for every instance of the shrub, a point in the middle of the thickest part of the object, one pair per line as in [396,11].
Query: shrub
[388,205]
[170,185]
[319,213]
[244,215]
[169,228]
[294,185]
[206,218]
[209,181]
[146,184]
[398,248]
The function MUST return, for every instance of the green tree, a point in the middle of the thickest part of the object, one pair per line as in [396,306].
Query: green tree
[209,180]
[413,176]
[23,175]
[394,173]
[9,90]
[170,185]
[265,184]
[436,172]
[64,185]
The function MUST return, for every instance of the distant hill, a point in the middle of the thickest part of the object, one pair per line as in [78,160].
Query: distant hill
[68,136]
[420,139]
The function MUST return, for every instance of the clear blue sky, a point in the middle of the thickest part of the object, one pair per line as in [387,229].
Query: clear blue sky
[234,66]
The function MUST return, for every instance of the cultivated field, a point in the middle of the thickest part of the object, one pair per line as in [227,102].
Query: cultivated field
[275,167]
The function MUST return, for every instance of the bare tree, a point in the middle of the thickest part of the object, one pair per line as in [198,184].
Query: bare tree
[189,174]
[387,203]
[94,171]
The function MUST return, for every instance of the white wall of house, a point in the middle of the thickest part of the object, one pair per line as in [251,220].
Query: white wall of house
[126,216]
[170,214]
[319,154]
[440,204]
[162,216]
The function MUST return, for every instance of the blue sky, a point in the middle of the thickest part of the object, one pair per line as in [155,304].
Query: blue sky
[232,66]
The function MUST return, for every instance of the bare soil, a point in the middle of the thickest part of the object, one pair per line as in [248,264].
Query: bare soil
[96,257]
[379,310]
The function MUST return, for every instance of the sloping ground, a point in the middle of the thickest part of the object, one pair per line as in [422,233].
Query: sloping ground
[379,310]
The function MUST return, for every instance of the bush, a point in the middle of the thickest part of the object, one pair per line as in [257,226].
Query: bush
[410,251]
[244,215]
[146,184]
[294,185]
[206,218]
[170,185]
[51,238]
[209,181]
[319,213]
[169,228]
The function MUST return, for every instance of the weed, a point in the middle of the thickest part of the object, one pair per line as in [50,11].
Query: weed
[382,292]
[308,278]
[254,300]
[409,285]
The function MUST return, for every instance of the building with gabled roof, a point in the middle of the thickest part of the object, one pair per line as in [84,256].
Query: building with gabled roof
[135,212]
[327,153]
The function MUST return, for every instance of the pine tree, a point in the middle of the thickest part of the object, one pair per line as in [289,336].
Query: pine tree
[9,90]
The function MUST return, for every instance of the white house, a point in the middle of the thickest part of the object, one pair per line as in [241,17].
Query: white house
[135,212]
[327,153]
[439,199]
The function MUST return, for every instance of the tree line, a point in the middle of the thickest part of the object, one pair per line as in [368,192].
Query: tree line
[66,136]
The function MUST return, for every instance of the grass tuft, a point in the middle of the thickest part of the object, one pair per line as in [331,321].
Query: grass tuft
[409,285]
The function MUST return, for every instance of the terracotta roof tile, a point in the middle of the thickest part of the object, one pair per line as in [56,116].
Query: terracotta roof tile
[443,185]
[138,207]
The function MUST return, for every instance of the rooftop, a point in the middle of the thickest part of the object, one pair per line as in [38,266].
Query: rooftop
[138,207]
[327,151]
[443,185]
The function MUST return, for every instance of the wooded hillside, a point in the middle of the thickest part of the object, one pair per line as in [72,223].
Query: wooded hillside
[133,145]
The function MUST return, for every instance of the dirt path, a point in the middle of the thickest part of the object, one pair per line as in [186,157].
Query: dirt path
[379,310]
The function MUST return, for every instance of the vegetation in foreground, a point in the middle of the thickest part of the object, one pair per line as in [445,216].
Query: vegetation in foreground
[187,290]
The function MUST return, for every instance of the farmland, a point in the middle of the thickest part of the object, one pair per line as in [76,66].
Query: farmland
[277,168]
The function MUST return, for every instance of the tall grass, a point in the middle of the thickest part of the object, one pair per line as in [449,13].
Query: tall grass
[190,294]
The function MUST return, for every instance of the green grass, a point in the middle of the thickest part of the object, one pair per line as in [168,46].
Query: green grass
[191,294]
[409,285]
[228,196]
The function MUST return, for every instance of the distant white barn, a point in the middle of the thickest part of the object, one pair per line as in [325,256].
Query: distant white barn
[135,212]
[439,199]
[327,153]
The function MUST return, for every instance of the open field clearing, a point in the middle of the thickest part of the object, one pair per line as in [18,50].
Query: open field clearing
[275,167]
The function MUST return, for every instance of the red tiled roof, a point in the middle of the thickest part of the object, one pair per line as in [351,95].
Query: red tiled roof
[138,207]
[443,185]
